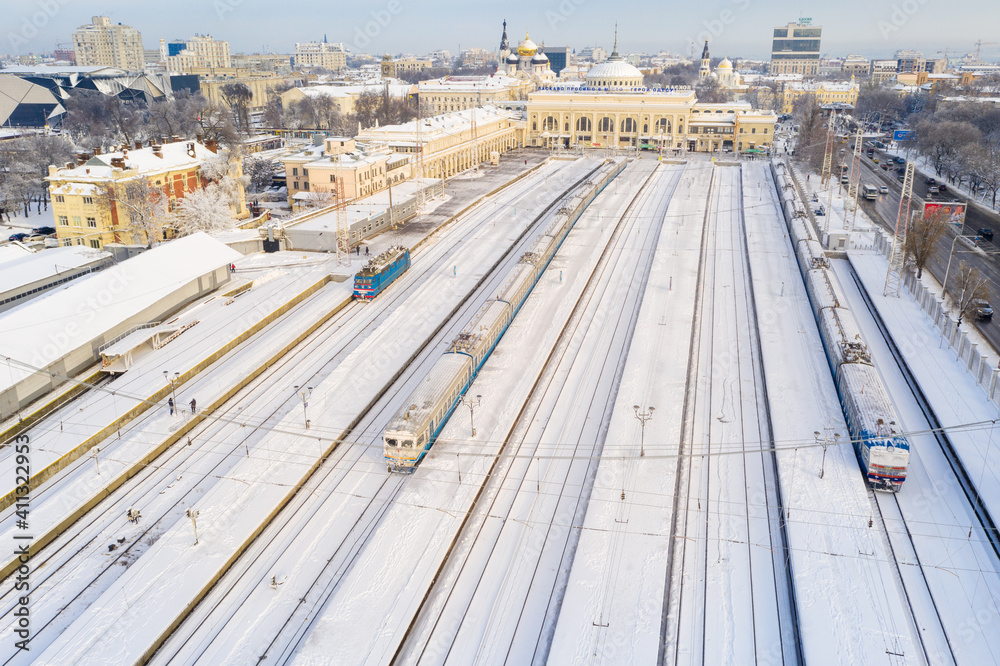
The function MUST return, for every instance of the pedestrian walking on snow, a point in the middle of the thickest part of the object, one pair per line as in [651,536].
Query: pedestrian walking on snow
[194,406]
[366,250]
[170,404]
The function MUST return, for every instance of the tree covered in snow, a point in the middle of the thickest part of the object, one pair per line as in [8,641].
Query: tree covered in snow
[204,210]
[258,171]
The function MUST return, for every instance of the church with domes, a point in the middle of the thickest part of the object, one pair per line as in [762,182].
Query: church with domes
[527,62]
[724,72]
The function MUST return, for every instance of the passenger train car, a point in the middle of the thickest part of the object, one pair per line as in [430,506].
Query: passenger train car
[881,448]
[412,431]
[378,273]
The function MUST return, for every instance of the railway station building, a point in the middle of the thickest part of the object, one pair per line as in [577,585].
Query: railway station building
[614,109]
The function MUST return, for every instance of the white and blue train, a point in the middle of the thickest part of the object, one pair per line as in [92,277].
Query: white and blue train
[882,450]
[415,427]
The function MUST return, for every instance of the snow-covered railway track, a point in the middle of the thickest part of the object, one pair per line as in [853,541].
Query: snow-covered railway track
[77,566]
[216,619]
[516,547]
[941,541]
[729,591]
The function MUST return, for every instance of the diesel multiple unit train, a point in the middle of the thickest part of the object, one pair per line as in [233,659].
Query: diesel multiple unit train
[380,271]
[412,431]
[881,448]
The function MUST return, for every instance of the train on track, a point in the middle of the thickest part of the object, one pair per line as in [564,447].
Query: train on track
[415,427]
[380,271]
[882,450]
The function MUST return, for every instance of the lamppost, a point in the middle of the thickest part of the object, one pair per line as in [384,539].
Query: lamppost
[472,404]
[173,394]
[304,395]
[643,416]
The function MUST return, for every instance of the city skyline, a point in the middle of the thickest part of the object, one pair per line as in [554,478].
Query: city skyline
[739,28]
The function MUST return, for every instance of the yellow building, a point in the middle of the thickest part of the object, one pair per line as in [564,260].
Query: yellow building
[80,205]
[613,109]
[392,68]
[341,167]
[261,84]
[102,43]
[345,97]
[825,93]
[451,143]
[457,93]
[321,54]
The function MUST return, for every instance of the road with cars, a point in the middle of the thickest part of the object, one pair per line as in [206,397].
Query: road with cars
[971,248]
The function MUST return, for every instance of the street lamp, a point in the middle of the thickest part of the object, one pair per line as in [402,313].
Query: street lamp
[643,416]
[171,380]
[472,404]
[304,395]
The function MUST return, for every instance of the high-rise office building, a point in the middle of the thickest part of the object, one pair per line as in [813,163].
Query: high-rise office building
[795,49]
[104,44]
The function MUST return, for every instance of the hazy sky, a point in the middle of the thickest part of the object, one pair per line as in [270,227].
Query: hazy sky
[739,28]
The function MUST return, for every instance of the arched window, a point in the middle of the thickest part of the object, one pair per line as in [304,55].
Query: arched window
[663,126]
[606,125]
[583,125]
[550,124]
[628,126]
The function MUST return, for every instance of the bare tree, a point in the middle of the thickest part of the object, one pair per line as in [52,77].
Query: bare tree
[238,97]
[941,141]
[216,123]
[177,116]
[712,92]
[972,288]
[143,203]
[922,237]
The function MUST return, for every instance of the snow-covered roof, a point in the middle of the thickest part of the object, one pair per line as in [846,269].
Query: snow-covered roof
[436,126]
[47,328]
[395,90]
[11,251]
[361,208]
[172,157]
[469,83]
[37,266]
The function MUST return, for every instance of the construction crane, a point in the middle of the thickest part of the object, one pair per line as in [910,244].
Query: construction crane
[979,45]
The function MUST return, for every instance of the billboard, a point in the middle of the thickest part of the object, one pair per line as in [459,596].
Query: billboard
[953,210]
[902,135]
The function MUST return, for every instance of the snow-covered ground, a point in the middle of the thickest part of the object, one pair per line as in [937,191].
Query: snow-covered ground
[170,574]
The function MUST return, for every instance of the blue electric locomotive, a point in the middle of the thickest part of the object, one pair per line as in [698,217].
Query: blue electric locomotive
[380,272]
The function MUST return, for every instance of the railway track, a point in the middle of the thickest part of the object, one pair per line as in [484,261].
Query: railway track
[431,635]
[251,571]
[713,551]
[211,440]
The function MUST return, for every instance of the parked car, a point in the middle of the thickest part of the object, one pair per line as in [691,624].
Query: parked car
[933,189]
[942,187]
[18,237]
[986,233]
[932,181]
[883,189]
[900,160]
[875,159]
[983,310]
[885,166]
[901,177]
[43,231]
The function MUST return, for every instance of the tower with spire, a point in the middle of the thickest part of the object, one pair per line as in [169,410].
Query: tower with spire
[504,47]
[706,68]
